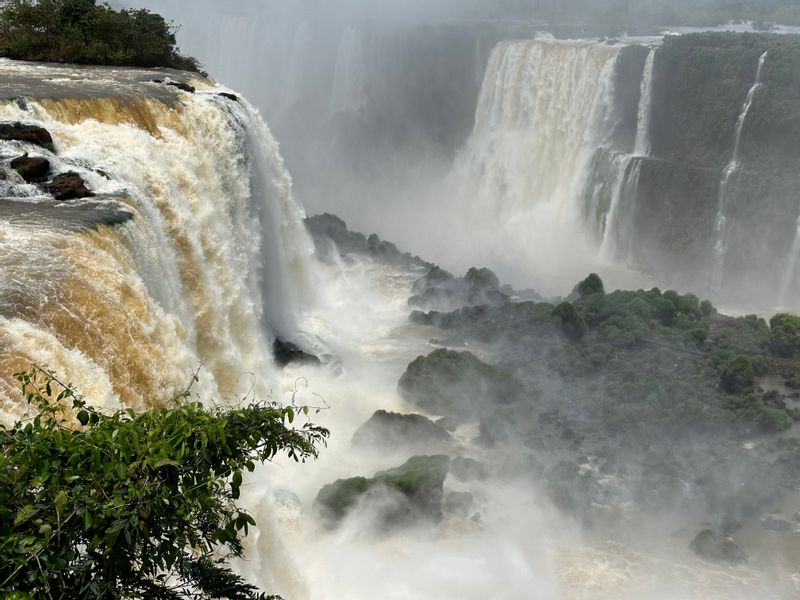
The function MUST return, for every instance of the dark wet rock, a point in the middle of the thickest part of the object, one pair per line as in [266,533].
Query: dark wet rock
[330,234]
[401,496]
[457,384]
[232,97]
[287,353]
[31,168]
[395,430]
[776,523]
[458,503]
[439,290]
[181,85]
[589,286]
[67,186]
[714,546]
[26,133]
[468,469]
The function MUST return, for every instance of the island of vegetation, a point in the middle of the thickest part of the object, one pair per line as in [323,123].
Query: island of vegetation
[83,32]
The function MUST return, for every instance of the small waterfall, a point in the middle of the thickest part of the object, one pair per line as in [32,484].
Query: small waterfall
[727,185]
[642,144]
[626,172]
[348,94]
[791,277]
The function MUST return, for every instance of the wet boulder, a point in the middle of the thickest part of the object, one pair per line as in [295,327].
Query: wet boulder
[26,133]
[394,430]
[457,384]
[714,546]
[67,186]
[286,353]
[228,96]
[401,496]
[31,168]
[468,469]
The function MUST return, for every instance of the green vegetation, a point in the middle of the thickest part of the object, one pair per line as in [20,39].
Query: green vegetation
[457,384]
[784,338]
[128,505]
[80,31]
[642,363]
[419,482]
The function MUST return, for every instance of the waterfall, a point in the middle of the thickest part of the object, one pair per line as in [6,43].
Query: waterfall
[642,144]
[626,171]
[212,262]
[539,114]
[349,87]
[790,277]
[727,184]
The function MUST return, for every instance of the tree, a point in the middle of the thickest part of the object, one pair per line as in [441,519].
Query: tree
[132,505]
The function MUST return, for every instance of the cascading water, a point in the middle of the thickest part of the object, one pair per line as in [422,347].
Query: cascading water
[626,170]
[727,185]
[544,108]
[348,94]
[791,277]
[213,260]
[642,145]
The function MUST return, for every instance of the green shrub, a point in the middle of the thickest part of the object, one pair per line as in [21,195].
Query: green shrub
[80,31]
[571,322]
[131,505]
[784,337]
[737,376]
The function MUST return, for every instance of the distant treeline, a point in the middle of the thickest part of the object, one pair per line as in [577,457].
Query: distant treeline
[632,13]
[80,31]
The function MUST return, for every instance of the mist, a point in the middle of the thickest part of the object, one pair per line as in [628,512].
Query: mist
[654,143]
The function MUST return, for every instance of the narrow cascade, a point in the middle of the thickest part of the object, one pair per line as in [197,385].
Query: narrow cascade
[642,144]
[192,241]
[791,277]
[348,94]
[727,185]
[619,221]
[626,169]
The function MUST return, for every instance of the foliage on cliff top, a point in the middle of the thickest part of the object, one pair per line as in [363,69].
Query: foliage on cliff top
[640,361]
[128,505]
[80,31]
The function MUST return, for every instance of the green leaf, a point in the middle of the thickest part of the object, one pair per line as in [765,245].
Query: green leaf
[163,462]
[61,501]
[25,513]
[83,417]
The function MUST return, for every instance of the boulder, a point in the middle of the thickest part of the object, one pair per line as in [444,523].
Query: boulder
[177,84]
[31,168]
[401,496]
[776,523]
[439,290]
[26,133]
[286,353]
[714,546]
[457,384]
[394,430]
[468,469]
[232,97]
[67,186]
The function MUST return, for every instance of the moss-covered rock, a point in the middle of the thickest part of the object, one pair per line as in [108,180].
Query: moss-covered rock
[784,337]
[738,377]
[457,384]
[714,546]
[393,431]
[406,494]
